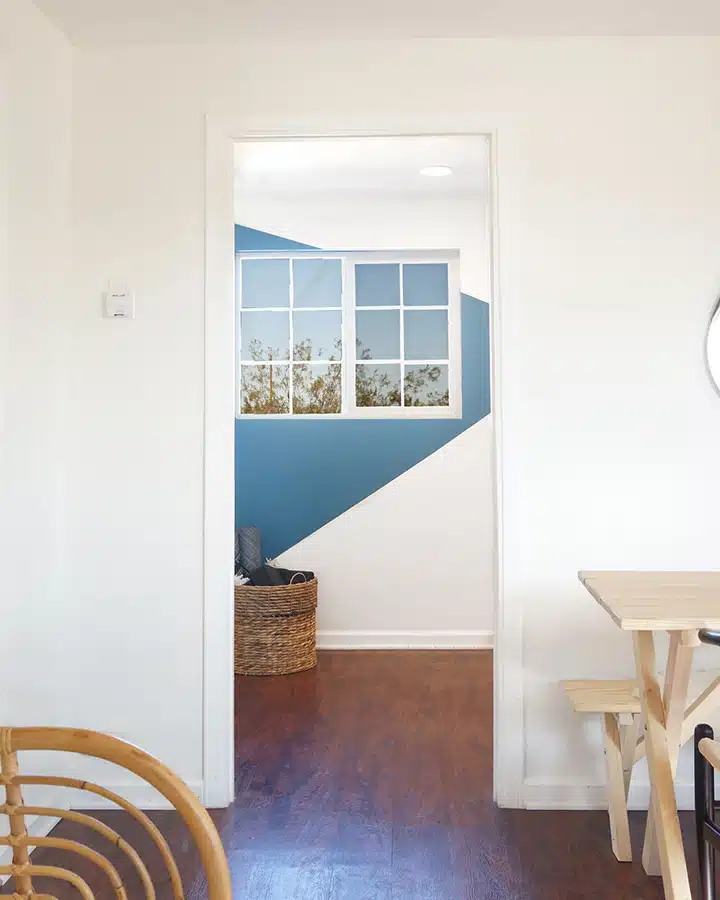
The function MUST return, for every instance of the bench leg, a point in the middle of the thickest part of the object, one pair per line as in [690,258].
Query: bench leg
[617,798]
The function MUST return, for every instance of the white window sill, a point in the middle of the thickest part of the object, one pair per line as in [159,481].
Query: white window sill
[381,413]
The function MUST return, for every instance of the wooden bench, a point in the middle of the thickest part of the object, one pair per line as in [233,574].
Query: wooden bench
[619,703]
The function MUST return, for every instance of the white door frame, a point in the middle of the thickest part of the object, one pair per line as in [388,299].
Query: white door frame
[219,479]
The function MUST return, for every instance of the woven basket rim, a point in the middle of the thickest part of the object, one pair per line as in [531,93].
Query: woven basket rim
[276,587]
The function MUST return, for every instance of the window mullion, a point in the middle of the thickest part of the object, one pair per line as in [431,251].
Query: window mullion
[348,318]
[292,337]
[455,336]
[402,339]
[238,339]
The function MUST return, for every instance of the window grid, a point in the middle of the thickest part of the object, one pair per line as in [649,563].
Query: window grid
[403,362]
[348,310]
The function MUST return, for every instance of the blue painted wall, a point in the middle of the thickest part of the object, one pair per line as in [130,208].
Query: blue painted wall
[292,477]
[249,239]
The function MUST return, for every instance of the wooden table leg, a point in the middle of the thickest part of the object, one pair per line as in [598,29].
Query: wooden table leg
[663,806]
[677,679]
[699,711]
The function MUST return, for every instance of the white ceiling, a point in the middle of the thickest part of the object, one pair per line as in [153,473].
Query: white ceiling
[148,21]
[361,165]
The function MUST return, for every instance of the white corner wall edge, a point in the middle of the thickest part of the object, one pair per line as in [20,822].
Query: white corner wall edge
[404,640]
[568,794]
[218,468]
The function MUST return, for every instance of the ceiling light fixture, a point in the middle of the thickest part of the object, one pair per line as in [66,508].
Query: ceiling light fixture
[436,171]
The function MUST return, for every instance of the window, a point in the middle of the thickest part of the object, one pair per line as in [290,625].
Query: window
[354,335]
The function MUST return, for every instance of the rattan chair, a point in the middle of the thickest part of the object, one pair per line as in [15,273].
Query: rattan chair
[155,773]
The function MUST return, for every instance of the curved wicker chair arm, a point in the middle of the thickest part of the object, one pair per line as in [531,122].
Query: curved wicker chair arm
[95,825]
[156,773]
[54,872]
[108,868]
[117,800]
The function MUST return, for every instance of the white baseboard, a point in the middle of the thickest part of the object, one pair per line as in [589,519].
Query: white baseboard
[404,640]
[569,794]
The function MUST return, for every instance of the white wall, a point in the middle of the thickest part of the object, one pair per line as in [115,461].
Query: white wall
[386,580]
[35,171]
[411,571]
[609,211]
[350,221]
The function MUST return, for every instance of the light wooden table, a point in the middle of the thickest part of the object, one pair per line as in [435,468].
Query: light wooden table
[680,603]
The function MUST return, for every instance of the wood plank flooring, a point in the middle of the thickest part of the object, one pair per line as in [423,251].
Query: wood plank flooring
[370,778]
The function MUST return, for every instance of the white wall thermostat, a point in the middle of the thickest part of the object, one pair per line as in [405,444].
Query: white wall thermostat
[118,302]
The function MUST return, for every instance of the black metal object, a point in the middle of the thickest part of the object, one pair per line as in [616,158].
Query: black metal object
[708,834]
[709,637]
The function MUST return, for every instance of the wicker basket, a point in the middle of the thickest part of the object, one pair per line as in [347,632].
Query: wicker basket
[275,628]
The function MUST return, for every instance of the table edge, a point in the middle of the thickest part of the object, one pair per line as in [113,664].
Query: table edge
[629,623]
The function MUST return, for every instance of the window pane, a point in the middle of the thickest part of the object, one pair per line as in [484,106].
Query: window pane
[317,282]
[265,389]
[317,335]
[377,385]
[426,334]
[377,334]
[377,284]
[265,282]
[426,386]
[425,284]
[317,389]
[264,335]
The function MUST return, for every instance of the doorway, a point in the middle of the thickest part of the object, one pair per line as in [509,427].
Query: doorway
[384,213]
[363,380]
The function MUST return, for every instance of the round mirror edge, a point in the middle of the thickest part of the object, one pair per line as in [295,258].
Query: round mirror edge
[714,323]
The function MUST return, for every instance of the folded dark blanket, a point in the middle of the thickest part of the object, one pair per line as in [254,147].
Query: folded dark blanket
[248,549]
[272,576]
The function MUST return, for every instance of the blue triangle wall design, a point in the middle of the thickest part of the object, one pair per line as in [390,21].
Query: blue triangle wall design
[293,477]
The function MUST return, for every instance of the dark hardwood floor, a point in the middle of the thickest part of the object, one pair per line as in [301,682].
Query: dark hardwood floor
[370,778]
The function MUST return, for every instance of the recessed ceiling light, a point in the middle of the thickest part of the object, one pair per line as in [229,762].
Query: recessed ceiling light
[436,171]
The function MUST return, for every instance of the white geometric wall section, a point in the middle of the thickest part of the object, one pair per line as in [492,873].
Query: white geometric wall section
[412,564]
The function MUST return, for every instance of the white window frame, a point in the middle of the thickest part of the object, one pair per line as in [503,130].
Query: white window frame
[350,258]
